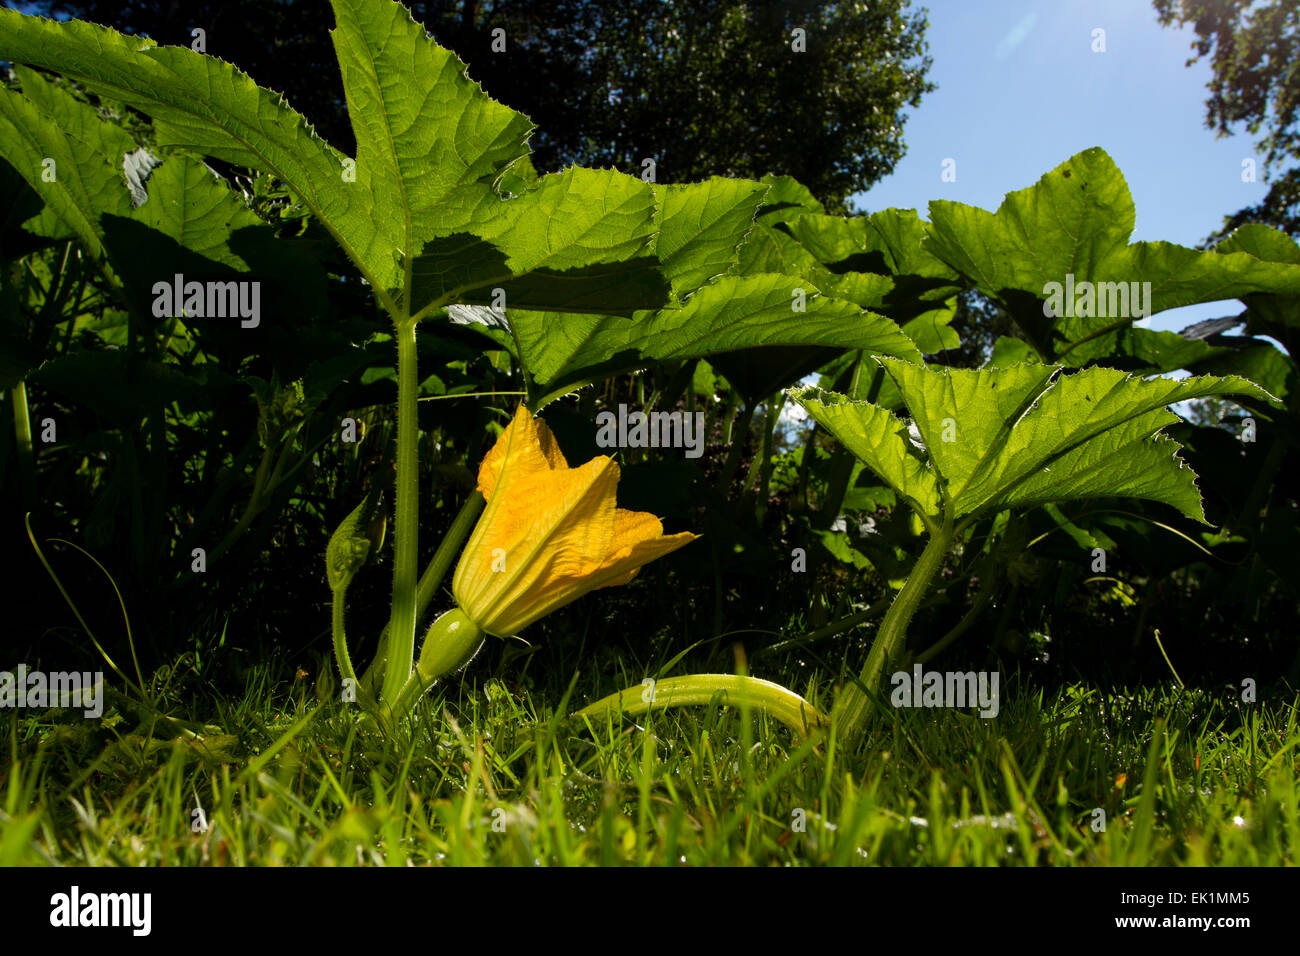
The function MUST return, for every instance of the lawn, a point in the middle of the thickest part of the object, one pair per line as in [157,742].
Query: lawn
[1063,776]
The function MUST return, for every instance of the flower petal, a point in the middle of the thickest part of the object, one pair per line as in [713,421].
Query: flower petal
[527,445]
[549,533]
[638,539]
[550,530]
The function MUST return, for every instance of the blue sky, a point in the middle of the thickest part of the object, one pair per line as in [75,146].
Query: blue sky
[1020,91]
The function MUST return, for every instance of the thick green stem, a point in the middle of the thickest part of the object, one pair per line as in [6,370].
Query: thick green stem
[401,627]
[784,705]
[853,708]
[447,551]
[23,435]
[452,640]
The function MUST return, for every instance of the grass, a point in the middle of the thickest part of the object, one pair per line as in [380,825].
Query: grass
[484,775]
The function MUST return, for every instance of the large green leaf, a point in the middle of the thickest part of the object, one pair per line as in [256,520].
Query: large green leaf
[766,249]
[148,221]
[787,199]
[731,314]
[1149,352]
[1275,315]
[889,242]
[69,155]
[932,331]
[429,140]
[592,257]
[879,262]
[206,105]
[192,224]
[578,241]
[702,225]
[1072,227]
[832,240]
[996,438]
[1262,242]
[880,440]
[417,210]
[1261,362]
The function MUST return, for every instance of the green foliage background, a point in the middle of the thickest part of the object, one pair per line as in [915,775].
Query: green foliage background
[177,434]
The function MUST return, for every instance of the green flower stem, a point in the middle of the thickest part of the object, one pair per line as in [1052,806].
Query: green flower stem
[784,705]
[447,551]
[23,435]
[341,638]
[251,509]
[853,708]
[401,631]
[364,696]
[437,569]
[451,641]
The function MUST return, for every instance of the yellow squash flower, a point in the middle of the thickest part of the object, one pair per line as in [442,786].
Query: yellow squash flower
[549,533]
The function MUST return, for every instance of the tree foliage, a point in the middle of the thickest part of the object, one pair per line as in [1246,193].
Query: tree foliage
[703,89]
[1253,48]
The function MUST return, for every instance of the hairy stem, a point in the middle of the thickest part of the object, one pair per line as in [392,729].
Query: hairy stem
[346,670]
[437,569]
[784,705]
[23,435]
[853,708]
[451,642]
[401,628]
[447,551]
[341,638]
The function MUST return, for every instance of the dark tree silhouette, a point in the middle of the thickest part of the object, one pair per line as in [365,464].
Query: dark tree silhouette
[1253,49]
[715,87]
